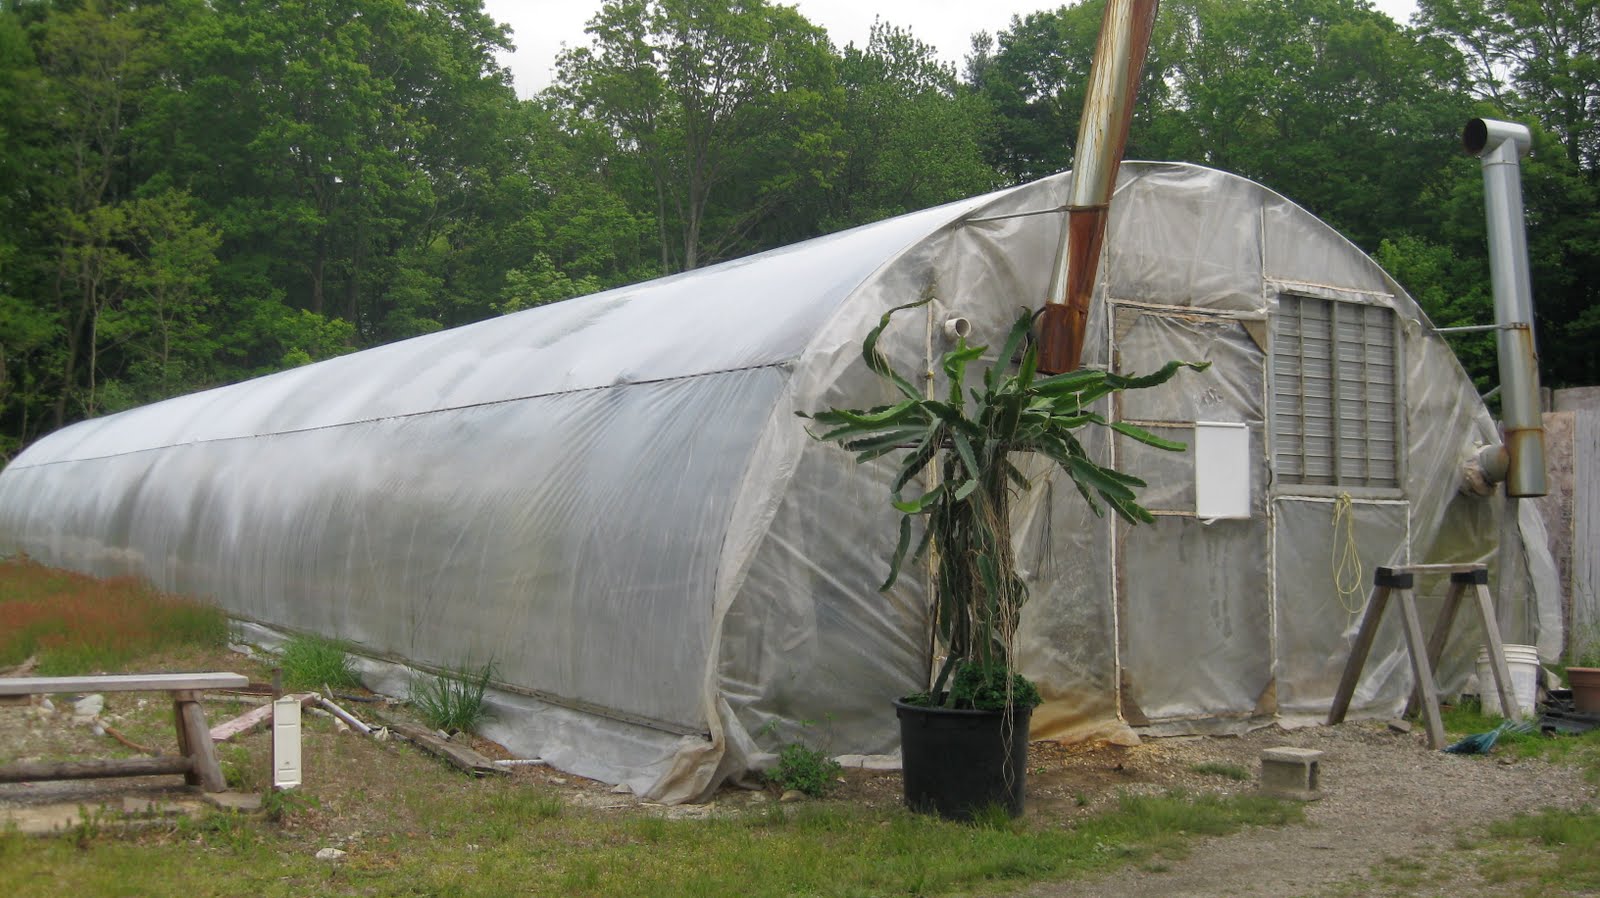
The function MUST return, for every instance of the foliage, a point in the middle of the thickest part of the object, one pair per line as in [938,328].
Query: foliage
[1226,771]
[79,625]
[312,662]
[204,192]
[970,441]
[809,770]
[453,701]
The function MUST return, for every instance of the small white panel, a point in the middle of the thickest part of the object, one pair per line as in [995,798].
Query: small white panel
[286,742]
[1221,470]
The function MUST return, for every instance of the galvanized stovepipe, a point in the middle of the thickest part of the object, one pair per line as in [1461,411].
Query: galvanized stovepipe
[1499,144]
[1102,135]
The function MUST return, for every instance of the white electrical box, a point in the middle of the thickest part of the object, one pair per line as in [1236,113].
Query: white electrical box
[1221,470]
[286,742]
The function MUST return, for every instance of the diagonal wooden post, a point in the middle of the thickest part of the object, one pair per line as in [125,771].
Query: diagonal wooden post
[1439,637]
[1420,666]
[1509,708]
[1384,581]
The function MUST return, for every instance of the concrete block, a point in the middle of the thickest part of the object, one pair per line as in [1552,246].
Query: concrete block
[1291,773]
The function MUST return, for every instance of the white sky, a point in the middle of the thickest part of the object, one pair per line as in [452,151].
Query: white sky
[543,27]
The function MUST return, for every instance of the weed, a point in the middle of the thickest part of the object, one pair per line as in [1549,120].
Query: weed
[995,817]
[241,772]
[1226,771]
[806,769]
[77,624]
[280,805]
[454,700]
[312,662]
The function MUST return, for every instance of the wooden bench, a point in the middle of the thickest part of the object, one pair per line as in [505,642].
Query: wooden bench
[197,756]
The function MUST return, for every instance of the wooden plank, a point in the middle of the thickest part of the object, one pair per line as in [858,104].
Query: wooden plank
[121,683]
[460,756]
[1422,669]
[202,751]
[1462,568]
[1438,638]
[1358,654]
[35,771]
[250,720]
[1509,708]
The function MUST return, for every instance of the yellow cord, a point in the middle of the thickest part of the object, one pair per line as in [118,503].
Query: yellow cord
[1348,577]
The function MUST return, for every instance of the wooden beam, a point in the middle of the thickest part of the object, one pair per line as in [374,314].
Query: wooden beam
[460,756]
[1438,638]
[1422,669]
[34,771]
[251,719]
[206,769]
[1358,653]
[1509,709]
[121,683]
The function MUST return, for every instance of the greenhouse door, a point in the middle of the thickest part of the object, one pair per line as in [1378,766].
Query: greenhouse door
[1193,608]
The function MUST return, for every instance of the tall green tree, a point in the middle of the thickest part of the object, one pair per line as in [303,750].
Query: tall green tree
[1538,63]
[912,134]
[728,105]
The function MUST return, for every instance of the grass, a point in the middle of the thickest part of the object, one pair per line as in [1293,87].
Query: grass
[444,835]
[1582,751]
[453,701]
[79,625]
[312,662]
[1226,771]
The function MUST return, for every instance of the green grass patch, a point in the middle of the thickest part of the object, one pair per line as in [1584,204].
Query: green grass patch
[1581,751]
[454,700]
[1574,838]
[312,662]
[506,838]
[1226,771]
[80,625]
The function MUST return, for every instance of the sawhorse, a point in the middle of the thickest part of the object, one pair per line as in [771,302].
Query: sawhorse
[1425,658]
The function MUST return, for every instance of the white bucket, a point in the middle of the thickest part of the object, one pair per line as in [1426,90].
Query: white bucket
[1523,663]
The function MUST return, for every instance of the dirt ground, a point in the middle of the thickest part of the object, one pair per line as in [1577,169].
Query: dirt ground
[1386,796]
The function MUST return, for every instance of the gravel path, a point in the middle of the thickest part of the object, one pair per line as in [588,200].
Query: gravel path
[1385,796]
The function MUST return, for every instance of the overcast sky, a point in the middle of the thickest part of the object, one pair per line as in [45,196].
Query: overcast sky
[542,27]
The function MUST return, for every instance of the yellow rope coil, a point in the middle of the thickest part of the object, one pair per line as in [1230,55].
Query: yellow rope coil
[1348,577]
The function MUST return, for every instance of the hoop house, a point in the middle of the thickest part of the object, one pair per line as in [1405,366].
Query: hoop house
[613,499]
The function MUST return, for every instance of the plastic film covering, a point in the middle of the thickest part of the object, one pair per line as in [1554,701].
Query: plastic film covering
[612,498]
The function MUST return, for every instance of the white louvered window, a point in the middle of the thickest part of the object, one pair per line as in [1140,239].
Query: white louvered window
[1336,394]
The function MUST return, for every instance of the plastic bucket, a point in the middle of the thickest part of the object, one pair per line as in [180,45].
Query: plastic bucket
[1523,663]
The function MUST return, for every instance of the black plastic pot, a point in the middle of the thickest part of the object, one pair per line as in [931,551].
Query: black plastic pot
[956,763]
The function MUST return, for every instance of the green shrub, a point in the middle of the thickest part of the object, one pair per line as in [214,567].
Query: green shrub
[312,662]
[454,700]
[805,769]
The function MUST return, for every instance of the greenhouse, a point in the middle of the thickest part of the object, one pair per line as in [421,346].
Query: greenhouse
[612,498]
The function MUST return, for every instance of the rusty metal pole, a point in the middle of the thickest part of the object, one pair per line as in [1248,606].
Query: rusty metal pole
[1102,135]
[1499,144]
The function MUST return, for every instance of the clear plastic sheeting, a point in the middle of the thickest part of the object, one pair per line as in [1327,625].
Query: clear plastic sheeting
[613,500]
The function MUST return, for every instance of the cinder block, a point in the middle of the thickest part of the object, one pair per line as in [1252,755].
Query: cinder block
[1292,773]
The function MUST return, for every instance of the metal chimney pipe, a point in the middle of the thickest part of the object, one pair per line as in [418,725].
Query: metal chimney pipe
[1102,135]
[1499,145]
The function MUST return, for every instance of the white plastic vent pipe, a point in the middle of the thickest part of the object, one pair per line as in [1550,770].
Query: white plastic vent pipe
[1500,145]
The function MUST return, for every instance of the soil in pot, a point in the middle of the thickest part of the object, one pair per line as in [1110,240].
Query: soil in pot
[956,763]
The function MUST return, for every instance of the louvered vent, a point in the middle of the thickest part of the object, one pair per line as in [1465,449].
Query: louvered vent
[1333,376]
